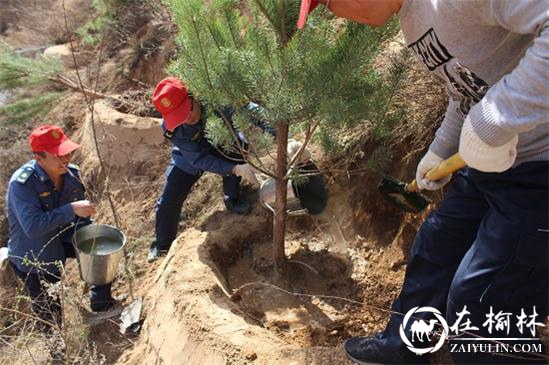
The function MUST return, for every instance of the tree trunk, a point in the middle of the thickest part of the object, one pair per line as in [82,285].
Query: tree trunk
[279,221]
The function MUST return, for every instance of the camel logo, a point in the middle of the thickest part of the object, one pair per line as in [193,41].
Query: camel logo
[422,330]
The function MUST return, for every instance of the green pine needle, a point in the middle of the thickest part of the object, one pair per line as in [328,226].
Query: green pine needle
[23,110]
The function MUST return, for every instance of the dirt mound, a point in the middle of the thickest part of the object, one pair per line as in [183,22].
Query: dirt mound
[126,142]
[27,24]
[191,319]
[311,319]
[205,326]
[137,102]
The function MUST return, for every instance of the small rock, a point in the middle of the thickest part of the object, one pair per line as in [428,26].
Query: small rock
[249,354]
[395,265]
[63,52]
[333,333]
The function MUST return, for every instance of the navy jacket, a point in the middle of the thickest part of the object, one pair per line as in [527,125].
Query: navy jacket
[37,212]
[193,153]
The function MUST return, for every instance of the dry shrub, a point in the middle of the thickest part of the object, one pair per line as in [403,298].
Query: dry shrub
[425,101]
[23,336]
[12,158]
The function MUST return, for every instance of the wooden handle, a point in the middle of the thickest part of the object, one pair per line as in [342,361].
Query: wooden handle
[445,168]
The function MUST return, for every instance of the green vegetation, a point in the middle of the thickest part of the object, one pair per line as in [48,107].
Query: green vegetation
[26,109]
[19,71]
[317,83]
[19,74]
[321,75]
[90,33]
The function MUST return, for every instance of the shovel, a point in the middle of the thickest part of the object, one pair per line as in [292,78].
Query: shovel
[407,196]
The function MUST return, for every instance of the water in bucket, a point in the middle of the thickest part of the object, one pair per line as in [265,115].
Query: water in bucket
[99,246]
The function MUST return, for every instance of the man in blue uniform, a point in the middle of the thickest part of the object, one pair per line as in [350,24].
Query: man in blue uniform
[45,196]
[192,154]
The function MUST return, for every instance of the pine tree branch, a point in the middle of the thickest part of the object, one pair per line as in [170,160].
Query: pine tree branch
[208,25]
[225,120]
[231,30]
[256,155]
[265,12]
[284,34]
[224,81]
[241,149]
[397,78]
[204,62]
[265,45]
[269,58]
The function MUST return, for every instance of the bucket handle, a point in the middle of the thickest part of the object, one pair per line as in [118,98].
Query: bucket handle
[262,178]
[289,212]
[73,240]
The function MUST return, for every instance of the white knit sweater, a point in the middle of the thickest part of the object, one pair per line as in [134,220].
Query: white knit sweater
[493,57]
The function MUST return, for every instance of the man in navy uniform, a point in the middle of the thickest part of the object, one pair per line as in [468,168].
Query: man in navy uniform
[183,124]
[44,197]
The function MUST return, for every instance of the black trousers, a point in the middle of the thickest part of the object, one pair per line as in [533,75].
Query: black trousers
[49,308]
[177,186]
[485,250]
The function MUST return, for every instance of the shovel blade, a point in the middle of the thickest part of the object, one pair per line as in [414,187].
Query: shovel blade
[395,192]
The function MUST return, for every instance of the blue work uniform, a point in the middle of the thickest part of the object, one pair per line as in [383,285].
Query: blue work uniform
[37,215]
[192,154]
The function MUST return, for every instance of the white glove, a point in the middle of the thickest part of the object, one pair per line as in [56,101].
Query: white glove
[3,258]
[429,161]
[481,156]
[293,148]
[247,172]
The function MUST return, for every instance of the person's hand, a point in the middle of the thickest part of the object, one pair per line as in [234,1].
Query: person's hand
[246,171]
[429,161]
[83,208]
[293,148]
[482,156]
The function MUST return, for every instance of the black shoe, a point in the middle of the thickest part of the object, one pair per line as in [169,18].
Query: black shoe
[238,206]
[358,350]
[104,305]
[155,252]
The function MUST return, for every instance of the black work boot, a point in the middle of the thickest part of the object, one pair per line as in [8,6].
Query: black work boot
[367,350]
[104,305]
[357,350]
[239,206]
